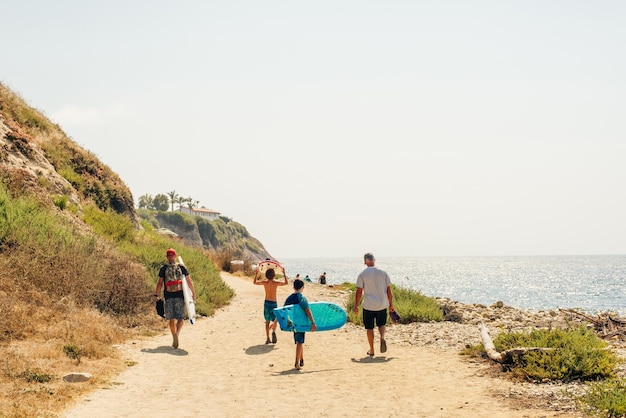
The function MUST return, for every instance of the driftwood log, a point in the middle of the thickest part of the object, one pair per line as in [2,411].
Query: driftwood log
[504,357]
[605,324]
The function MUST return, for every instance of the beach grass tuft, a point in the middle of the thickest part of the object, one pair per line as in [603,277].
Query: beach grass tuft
[412,305]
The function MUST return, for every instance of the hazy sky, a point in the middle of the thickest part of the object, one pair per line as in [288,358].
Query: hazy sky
[332,128]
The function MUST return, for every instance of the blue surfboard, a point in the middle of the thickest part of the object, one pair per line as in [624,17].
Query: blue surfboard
[327,316]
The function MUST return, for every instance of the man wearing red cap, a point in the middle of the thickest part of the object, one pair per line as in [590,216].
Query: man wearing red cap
[171,276]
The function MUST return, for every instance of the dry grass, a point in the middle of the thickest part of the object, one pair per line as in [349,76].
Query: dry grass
[38,329]
[77,279]
[34,363]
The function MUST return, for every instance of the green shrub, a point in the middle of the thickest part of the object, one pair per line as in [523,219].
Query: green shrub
[412,306]
[23,222]
[110,224]
[60,201]
[68,174]
[606,398]
[36,377]
[180,220]
[73,351]
[147,217]
[579,354]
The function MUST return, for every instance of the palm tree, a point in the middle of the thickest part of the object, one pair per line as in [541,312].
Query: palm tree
[180,201]
[173,198]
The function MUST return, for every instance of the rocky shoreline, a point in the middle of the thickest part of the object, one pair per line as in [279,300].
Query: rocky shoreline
[460,329]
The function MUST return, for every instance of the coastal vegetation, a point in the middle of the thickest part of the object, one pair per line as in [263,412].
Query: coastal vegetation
[412,305]
[573,354]
[223,236]
[578,354]
[605,398]
[78,265]
[70,294]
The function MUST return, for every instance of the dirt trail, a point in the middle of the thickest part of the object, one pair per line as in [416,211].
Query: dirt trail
[223,369]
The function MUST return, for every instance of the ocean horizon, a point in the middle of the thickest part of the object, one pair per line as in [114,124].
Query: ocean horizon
[593,283]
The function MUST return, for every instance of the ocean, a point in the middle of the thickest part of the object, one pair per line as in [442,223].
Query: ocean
[592,283]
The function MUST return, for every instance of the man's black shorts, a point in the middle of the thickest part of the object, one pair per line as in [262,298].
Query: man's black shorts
[369,317]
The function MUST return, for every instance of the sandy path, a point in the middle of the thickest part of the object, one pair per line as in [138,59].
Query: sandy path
[223,369]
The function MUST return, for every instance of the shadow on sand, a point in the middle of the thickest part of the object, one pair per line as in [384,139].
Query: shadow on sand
[302,371]
[165,349]
[259,349]
[368,359]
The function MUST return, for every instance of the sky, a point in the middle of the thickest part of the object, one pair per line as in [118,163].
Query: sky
[334,128]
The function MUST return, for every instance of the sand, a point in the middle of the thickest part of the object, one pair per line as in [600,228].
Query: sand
[223,369]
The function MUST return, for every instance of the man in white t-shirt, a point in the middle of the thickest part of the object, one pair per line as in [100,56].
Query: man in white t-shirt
[374,286]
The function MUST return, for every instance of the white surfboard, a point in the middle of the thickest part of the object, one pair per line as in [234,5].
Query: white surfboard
[190,304]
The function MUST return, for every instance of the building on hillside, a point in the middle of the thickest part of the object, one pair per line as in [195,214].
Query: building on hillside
[209,214]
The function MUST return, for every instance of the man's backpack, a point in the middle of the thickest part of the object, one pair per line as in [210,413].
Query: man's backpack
[173,278]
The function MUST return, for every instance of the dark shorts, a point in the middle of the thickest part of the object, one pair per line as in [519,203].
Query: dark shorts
[268,310]
[298,337]
[175,308]
[369,317]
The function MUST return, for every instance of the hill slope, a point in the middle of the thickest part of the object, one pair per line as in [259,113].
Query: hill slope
[77,263]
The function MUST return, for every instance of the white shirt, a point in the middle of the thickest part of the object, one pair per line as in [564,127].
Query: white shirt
[374,283]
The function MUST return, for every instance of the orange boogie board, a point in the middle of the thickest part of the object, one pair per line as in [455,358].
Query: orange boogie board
[264,266]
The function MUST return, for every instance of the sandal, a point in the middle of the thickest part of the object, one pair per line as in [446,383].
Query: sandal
[370,354]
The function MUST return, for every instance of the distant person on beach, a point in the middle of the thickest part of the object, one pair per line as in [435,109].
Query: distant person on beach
[307,279]
[322,278]
[270,303]
[374,286]
[296,298]
[171,276]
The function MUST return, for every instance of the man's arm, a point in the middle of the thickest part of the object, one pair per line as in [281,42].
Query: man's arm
[390,298]
[310,316]
[159,285]
[286,281]
[357,299]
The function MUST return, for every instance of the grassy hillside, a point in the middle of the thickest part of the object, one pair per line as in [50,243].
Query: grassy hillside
[78,266]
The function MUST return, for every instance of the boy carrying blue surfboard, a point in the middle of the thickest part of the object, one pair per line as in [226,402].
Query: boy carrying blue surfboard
[296,298]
